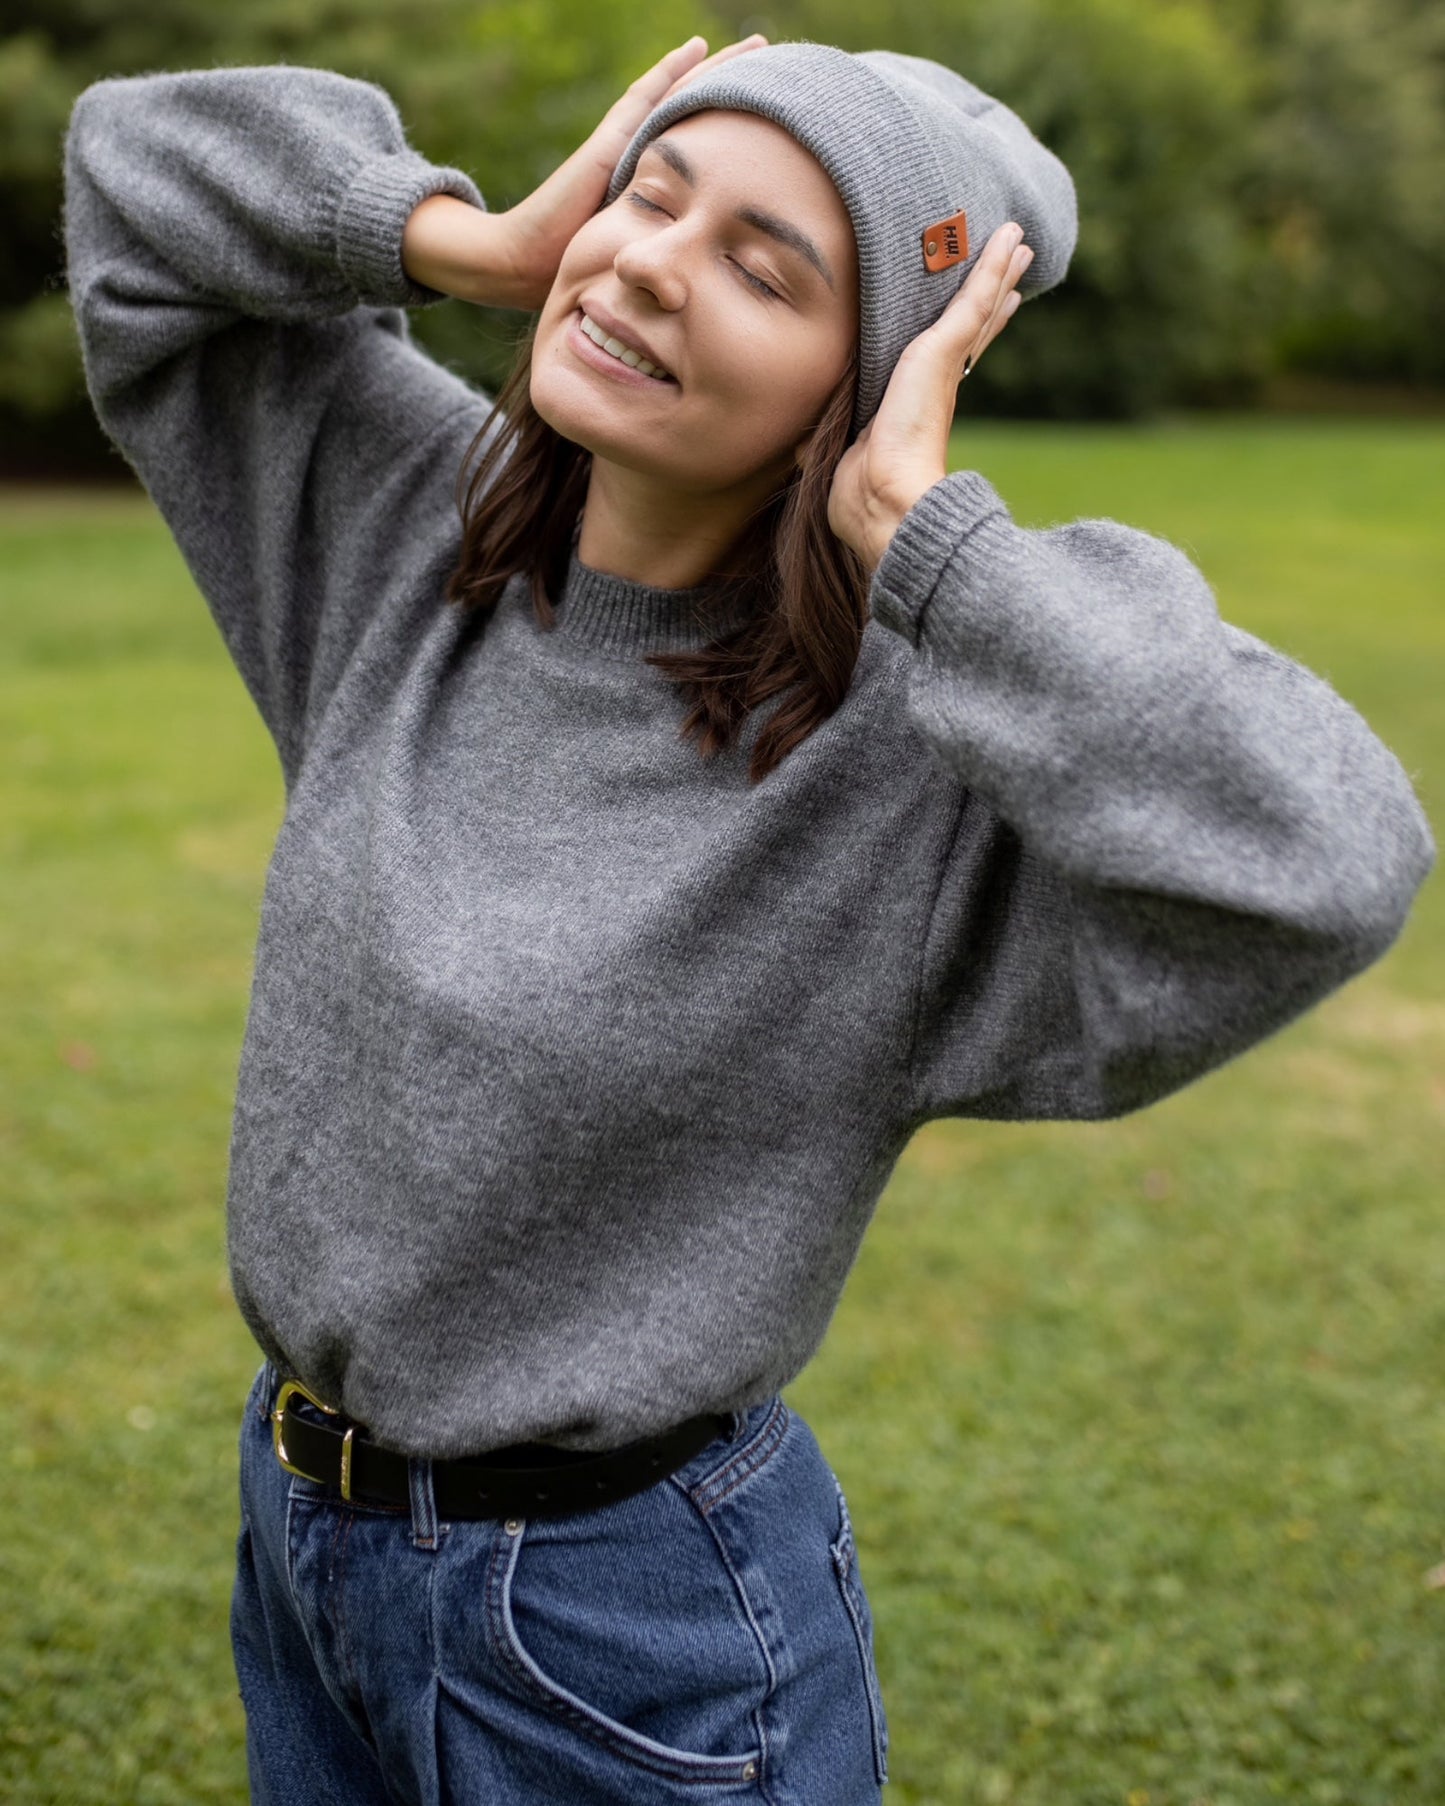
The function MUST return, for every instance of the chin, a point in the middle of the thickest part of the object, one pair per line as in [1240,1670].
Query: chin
[582,426]
[570,404]
[600,426]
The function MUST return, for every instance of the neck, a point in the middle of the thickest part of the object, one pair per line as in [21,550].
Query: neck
[669,538]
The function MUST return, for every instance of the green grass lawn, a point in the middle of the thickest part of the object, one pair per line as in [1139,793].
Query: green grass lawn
[1141,1423]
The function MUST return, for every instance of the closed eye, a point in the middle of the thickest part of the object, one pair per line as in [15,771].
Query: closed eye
[766,288]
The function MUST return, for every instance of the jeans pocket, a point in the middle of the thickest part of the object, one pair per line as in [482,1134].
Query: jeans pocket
[723,1467]
[850,1584]
[624,1626]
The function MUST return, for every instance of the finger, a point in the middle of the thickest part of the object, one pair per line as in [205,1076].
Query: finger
[1005,300]
[614,130]
[923,388]
[989,282]
[965,325]
[755,42]
[1009,301]
[1004,308]
[671,72]
[1008,291]
[653,83]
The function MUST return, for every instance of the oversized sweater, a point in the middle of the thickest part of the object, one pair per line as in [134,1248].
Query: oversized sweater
[575,1063]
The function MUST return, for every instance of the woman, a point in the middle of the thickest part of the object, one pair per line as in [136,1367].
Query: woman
[595,999]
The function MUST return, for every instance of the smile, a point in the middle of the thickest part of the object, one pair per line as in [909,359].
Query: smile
[589,343]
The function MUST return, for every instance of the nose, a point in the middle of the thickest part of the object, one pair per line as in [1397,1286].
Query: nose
[652,261]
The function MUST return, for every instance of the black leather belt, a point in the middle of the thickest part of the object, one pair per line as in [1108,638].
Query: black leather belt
[528,1479]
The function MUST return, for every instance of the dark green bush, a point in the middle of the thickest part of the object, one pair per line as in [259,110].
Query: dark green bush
[1261,182]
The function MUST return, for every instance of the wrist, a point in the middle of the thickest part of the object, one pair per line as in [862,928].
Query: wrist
[889,517]
[460,250]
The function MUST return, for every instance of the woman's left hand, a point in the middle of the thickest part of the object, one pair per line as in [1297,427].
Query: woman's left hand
[903,450]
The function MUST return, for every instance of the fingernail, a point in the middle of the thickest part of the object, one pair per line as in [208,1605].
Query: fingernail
[1026,259]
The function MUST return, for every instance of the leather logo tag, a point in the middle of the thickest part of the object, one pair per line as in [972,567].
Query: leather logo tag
[946,243]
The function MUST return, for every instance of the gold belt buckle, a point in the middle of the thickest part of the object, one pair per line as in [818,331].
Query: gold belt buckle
[278,1414]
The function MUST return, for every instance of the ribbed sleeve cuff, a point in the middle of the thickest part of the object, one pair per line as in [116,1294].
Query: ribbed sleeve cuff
[963,505]
[375,205]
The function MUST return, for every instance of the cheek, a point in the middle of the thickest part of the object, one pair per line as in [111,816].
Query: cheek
[578,261]
[773,377]
[592,246]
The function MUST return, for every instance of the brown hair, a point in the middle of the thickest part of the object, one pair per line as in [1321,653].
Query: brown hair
[518,510]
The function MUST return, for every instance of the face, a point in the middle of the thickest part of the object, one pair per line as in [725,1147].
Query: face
[730,259]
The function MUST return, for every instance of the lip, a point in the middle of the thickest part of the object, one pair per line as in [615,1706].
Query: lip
[626,335]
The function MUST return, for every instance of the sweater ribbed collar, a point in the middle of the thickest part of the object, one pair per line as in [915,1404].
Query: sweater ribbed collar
[619,618]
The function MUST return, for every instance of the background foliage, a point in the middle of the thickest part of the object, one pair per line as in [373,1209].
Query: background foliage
[1261,182]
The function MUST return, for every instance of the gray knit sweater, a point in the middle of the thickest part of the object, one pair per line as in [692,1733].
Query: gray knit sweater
[575,1064]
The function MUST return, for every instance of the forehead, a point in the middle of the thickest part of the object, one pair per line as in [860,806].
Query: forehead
[751,159]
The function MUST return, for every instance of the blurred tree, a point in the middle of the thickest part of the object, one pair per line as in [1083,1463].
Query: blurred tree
[1147,106]
[1261,182]
[1346,180]
[504,89]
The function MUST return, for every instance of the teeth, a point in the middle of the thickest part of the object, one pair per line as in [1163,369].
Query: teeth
[633,359]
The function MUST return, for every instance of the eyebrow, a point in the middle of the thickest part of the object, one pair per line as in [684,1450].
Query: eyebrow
[780,229]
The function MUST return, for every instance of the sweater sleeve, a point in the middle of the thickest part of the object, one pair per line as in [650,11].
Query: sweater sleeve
[233,245]
[1171,839]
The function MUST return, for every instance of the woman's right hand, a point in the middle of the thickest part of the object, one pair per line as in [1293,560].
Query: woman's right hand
[537,231]
[510,259]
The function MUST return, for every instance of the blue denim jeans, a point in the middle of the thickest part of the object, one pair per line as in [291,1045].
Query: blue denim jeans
[707,1639]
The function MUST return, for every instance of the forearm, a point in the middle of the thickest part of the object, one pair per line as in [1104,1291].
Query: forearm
[1079,678]
[1172,838]
[233,240]
[459,250]
[203,200]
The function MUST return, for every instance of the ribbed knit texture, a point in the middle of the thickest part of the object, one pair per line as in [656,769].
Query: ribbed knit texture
[575,1064]
[907,143]
[620,619]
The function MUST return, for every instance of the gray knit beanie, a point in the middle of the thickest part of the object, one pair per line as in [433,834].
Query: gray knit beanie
[928,166]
